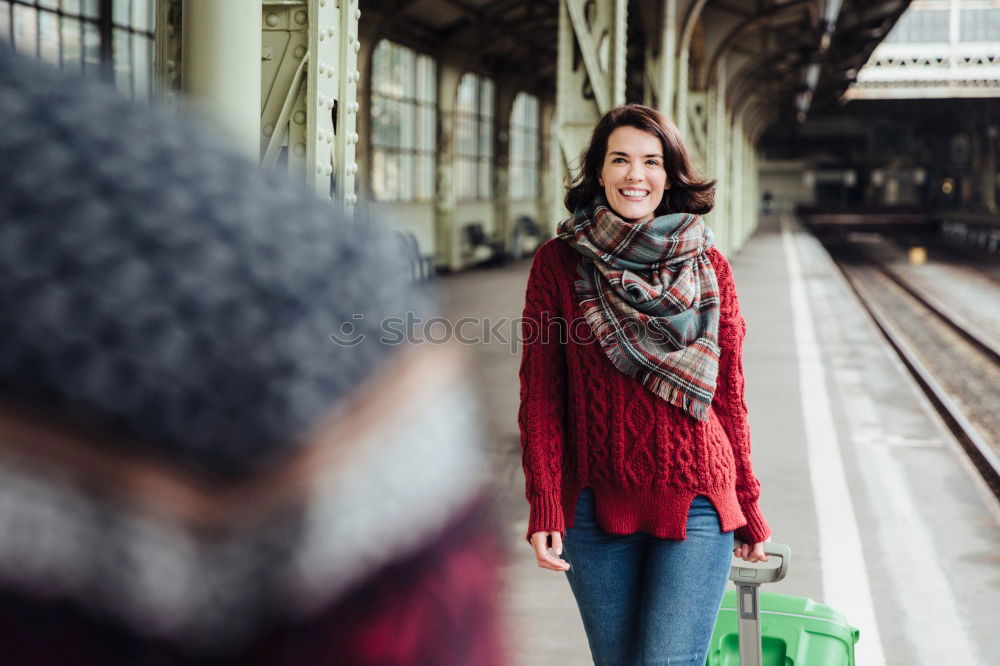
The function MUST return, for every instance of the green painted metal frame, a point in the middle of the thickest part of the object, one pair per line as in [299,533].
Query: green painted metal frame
[308,98]
[588,86]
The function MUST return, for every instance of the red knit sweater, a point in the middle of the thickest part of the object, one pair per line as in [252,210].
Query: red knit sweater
[584,423]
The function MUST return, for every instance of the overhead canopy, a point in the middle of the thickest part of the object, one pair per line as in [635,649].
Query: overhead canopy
[789,56]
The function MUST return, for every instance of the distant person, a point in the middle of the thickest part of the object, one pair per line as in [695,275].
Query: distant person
[633,420]
[767,202]
[192,470]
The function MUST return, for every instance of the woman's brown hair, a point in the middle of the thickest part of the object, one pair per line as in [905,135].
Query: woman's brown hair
[688,193]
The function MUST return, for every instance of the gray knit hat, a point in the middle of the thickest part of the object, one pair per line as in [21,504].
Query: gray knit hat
[176,304]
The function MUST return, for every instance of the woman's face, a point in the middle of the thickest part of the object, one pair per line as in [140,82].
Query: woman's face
[633,175]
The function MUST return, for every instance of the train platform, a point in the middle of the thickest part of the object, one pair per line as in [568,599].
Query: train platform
[887,520]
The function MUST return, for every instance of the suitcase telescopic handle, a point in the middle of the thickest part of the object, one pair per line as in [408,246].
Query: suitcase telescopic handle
[753,573]
[748,577]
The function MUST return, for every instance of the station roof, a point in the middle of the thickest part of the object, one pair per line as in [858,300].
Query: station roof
[770,43]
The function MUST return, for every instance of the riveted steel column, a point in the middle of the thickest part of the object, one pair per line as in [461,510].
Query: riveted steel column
[989,174]
[167,46]
[550,191]
[661,69]
[668,57]
[328,81]
[749,201]
[504,105]
[984,142]
[681,103]
[691,11]
[344,17]
[753,195]
[738,221]
[724,220]
[754,189]
[221,66]
[619,38]
[696,127]
[368,35]
[309,108]
[284,83]
[591,75]
[754,160]
[741,188]
[445,241]
[715,164]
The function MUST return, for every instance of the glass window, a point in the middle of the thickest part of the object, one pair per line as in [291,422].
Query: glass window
[980,25]
[112,40]
[404,127]
[474,138]
[48,37]
[91,47]
[921,26]
[524,153]
[25,30]
[71,43]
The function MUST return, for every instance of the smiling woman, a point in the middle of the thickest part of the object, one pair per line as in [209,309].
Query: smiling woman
[635,127]
[633,176]
[635,440]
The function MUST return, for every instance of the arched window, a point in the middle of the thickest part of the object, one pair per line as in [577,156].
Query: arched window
[524,147]
[474,138]
[404,123]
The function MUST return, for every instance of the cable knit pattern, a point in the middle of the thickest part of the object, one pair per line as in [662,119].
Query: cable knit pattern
[586,424]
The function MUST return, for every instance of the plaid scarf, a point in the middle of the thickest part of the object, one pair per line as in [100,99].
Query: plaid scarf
[650,295]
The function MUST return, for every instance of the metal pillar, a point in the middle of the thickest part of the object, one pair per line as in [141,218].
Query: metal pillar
[989,175]
[695,131]
[343,17]
[985,140]
[550,193]
[681,101]
[668,57]
[310,109]
[369,37]
[220,65]
[682,106]
[591,75]
[445,242]
[503,106]
[284,73]
[738,222]
[724,220]
[167,47]
[282,80]
[752,199]
[714,160]
[660,67]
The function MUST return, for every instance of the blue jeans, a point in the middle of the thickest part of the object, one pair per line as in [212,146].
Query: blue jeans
[646,600]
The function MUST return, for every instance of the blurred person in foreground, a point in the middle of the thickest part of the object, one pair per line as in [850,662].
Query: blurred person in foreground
[633,417]
[192,470]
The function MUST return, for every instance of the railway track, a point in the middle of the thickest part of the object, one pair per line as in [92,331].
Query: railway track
[957,366]
[955,320]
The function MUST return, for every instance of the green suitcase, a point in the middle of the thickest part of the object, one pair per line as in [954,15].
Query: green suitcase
[762,629]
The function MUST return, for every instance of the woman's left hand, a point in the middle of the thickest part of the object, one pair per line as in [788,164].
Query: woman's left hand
[752,552]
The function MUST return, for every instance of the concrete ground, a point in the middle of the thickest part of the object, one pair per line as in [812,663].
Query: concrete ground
[886,520]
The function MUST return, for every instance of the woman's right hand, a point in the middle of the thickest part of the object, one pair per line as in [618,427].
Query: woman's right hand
[546,560]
